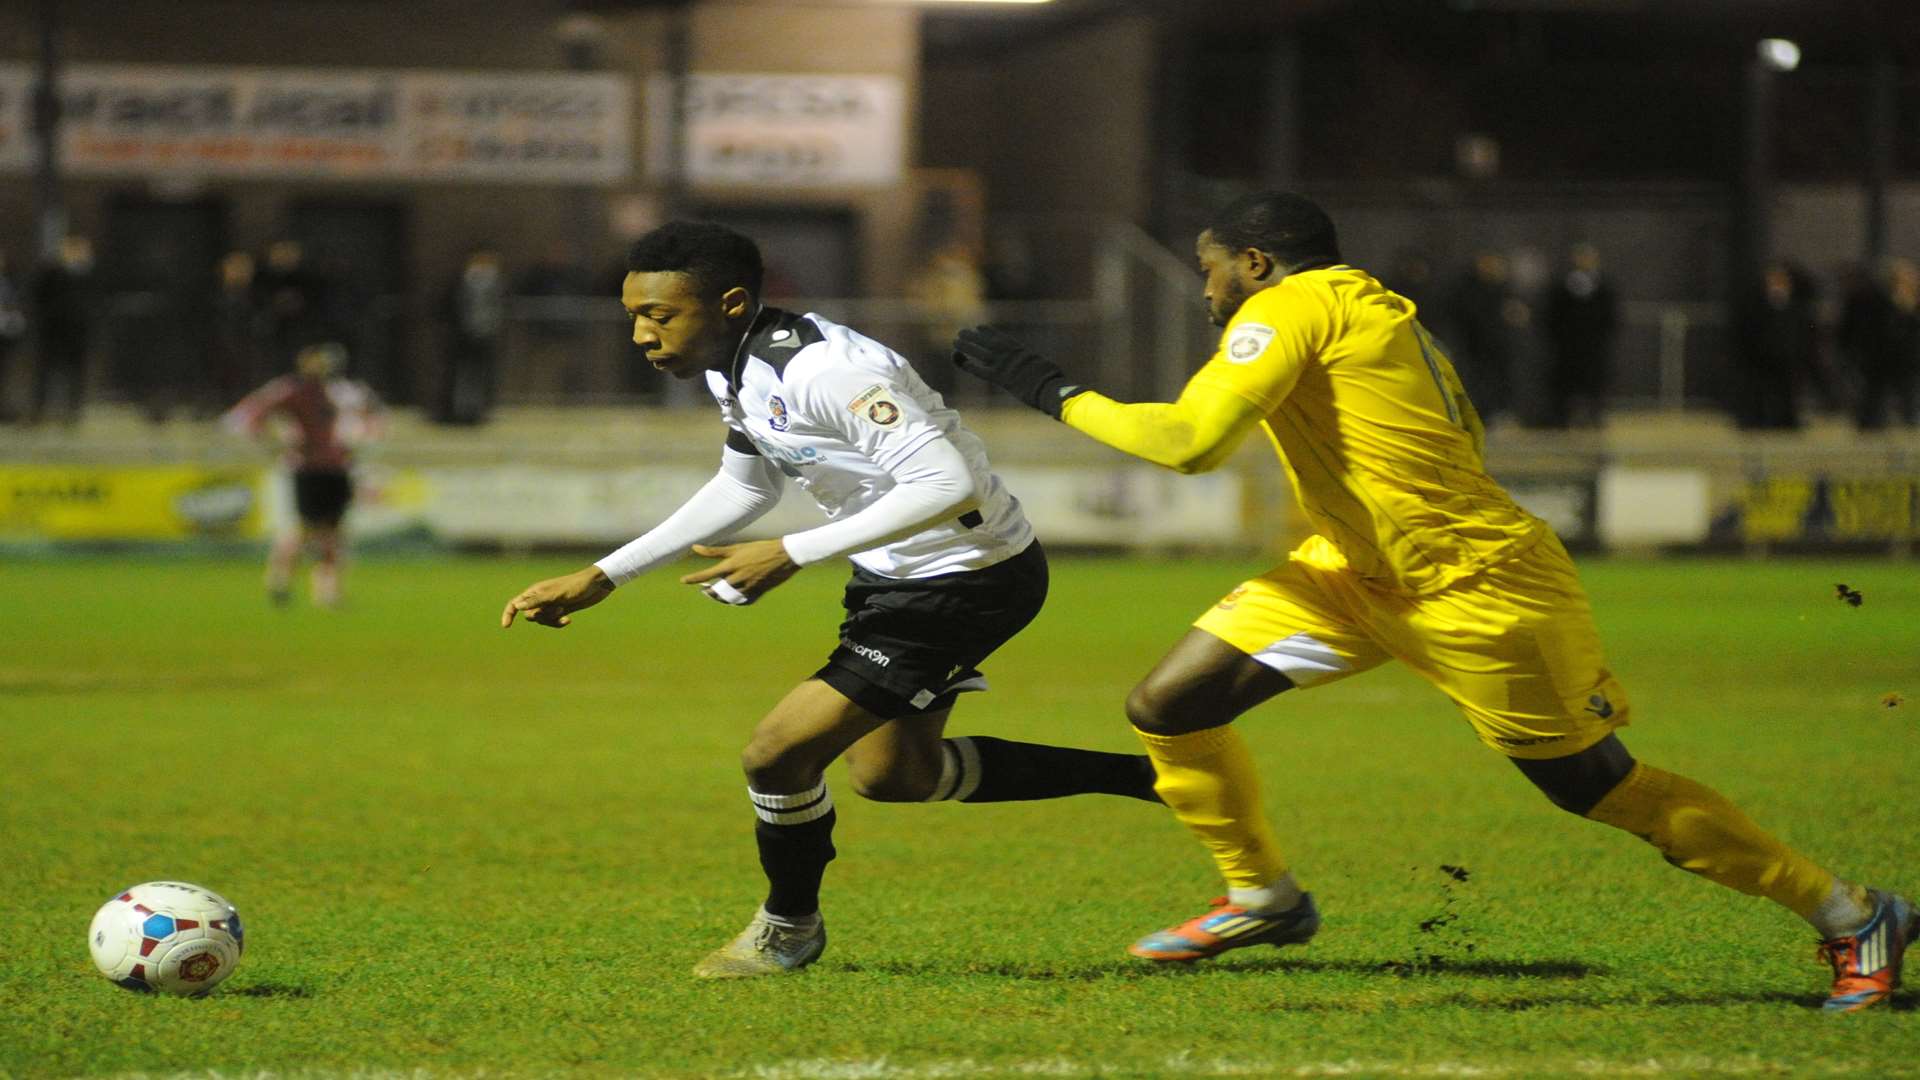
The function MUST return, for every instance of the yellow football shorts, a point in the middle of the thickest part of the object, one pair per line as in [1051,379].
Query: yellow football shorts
[1514,645]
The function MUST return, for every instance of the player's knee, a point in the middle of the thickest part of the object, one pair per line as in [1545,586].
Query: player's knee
[1154,709]
[891,785]
[770,763]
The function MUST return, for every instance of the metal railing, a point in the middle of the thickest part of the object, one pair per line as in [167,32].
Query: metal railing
[1137,329]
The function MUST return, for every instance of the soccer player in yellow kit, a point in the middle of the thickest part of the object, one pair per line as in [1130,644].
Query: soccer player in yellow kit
[1417,555]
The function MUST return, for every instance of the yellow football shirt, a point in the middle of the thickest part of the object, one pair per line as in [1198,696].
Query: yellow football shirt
[1374,428]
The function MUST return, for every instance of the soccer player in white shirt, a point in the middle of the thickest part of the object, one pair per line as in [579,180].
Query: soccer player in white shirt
[945,569]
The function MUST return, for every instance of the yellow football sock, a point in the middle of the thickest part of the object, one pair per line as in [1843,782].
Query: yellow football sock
[1207,779]
[1701,832]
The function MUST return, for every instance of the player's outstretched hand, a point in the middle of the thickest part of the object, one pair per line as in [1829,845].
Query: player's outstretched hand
[1006,362]
[745,572]
[552,602]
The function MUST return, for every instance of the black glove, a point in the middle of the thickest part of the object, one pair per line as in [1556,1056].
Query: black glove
[1006,362]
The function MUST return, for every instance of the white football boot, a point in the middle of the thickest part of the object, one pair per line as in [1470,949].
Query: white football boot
[764,949]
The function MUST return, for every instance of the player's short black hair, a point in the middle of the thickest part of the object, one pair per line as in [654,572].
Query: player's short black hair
[1290,228]
[714,256]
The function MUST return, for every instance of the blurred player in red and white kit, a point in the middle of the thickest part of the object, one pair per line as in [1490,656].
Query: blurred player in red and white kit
[324,416]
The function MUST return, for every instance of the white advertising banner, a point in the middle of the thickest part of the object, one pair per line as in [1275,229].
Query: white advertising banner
[148,120]
[788,130]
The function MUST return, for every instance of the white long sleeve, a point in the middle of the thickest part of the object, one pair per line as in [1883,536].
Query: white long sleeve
[931,485]
[746,487]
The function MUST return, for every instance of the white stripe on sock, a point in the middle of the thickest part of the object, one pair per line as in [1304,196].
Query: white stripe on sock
[949,773]
[969,767]
[798,809]
[788,802]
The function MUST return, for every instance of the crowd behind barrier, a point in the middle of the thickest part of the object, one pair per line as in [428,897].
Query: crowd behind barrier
[1549,350]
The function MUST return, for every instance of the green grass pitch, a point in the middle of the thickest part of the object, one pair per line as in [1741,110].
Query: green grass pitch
[463,852]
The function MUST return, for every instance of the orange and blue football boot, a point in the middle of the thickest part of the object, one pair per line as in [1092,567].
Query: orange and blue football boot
[1229,926]
[1866,963]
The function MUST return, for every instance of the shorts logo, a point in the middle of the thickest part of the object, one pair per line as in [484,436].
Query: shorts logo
[877,405]
[1248,341]
[777,420]
[1599,706]
[870,653]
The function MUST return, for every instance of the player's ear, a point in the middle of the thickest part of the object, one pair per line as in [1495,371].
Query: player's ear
[1259,265]
[736,302]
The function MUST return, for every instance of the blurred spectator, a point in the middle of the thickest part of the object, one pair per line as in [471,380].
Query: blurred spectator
[63,312]
[234,359]
[1484,316]
[293,302]
[951,292]
[174,346]
[13,327]
[326,416]
[476,313]
[1880,339]
[1776,333]
[1582,317]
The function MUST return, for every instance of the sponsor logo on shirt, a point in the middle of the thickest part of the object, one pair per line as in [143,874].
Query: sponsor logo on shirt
[778,420]
[787,455]
[1248,341]
[877,405]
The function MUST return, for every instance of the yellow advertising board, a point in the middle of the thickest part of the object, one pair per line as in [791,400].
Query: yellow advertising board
[163,502]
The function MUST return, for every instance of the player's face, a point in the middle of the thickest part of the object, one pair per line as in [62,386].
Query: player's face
[682,332]
[1230,277]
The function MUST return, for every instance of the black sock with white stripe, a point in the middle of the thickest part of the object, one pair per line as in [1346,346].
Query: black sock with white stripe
[979,769]
[795,833]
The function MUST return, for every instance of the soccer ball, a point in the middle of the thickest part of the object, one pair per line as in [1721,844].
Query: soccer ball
[167,936]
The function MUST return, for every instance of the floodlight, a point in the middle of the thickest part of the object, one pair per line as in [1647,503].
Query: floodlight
[1779,54]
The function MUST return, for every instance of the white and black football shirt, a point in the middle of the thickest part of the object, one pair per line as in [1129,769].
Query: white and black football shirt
[837,412]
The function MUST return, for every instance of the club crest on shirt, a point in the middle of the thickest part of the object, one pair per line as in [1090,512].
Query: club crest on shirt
[877,405]
[1248,341]
[777,414]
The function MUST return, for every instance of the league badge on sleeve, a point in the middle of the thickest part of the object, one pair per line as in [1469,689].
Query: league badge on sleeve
[876,405]
[1248,341]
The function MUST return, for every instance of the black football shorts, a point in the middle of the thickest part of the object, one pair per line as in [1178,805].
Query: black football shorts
[909,646]
[320,496]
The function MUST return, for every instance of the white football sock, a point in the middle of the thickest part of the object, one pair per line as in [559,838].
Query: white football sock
[1281,894]
[791,922]
[1845,911]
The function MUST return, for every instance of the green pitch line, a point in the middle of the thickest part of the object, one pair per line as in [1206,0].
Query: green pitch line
[459,849]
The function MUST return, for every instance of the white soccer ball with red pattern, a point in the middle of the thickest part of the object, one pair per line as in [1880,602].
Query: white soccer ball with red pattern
[167,936]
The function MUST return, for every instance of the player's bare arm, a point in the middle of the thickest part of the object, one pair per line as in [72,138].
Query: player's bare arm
[552,602]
